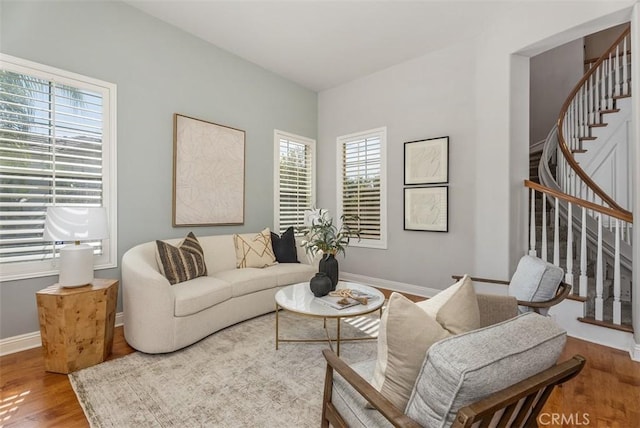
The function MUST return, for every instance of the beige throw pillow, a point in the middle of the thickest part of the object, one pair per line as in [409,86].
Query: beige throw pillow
[455,308]
[406,333]
[254,250]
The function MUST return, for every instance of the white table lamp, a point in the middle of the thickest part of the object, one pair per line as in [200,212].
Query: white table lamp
[75,224]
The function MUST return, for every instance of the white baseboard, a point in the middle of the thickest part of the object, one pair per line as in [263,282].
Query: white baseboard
[634,352]
[390,285]
[31,340]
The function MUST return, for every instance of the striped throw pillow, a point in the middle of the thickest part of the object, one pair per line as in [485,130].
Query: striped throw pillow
[179,264]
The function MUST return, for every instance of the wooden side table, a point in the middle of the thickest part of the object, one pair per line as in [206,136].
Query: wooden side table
[76,324]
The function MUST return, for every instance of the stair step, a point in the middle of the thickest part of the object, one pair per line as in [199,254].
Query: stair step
[579,151]
[587,138]
[617,97]
[615,110]
[607,324]
[597,125]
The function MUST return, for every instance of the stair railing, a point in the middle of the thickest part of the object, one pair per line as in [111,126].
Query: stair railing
[607,80]
[585,211]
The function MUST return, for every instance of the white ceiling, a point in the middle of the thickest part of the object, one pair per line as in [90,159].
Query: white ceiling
[322,44]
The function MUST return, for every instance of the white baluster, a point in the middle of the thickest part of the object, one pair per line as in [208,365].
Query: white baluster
[590,99]
[603,89]
[556,234]
[618,84]
[585,109]
[578,116]
[625,77]
[599,274]
[543,248]
[617,305]
[532,225]
[596,97]
[570,129]
[610,89]
[583,254]
[568,277]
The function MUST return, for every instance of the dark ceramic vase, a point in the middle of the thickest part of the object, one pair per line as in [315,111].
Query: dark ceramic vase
[329,265]
[320,284]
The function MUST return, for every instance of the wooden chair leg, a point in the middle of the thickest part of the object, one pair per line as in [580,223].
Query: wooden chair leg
[328,389]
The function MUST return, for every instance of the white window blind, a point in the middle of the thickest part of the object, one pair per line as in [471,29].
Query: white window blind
[295,179]
[56,141]
[361,185]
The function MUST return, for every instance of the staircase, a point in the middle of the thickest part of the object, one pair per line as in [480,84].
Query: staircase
[575,223]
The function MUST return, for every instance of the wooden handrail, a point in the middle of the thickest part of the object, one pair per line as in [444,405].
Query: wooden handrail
[563,112]
[592,60]
[619,214]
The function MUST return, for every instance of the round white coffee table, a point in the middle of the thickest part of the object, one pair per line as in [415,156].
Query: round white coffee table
[299,299]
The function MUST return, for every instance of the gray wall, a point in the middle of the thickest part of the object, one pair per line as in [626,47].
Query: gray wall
[159,71]
[554,74]
[476,92]
[424,98]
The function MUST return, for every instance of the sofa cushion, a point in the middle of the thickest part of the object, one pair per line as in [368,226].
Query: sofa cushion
[254,250]
[291,273]
[284,246]
[534,281]
[405,334]
[465,368]
[182,263]
[351,405]
[199,294]
[455,308]
[247,281]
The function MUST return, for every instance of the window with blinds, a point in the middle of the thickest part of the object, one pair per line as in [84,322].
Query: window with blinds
[55,140]
[362,185]
[295,180]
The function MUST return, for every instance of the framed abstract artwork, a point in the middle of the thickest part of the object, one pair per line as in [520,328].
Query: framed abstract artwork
[426,208]
[208,173]
[426,161]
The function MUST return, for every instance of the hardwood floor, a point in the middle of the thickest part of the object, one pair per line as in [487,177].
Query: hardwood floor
[605,394]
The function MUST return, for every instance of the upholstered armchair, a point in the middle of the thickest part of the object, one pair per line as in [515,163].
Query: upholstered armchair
[536,284]
[498,370]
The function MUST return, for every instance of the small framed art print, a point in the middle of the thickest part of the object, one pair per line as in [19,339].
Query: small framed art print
[426,208]
[426,161]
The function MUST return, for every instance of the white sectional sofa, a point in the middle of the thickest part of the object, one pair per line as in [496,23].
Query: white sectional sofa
[159,317]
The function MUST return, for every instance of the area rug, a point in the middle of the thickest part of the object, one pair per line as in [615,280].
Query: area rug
[233,378]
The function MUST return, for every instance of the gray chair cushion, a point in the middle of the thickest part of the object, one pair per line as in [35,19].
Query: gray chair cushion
[463,369]
[351,405]
[535,281]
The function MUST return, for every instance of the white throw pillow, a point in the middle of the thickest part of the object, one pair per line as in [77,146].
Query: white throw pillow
[455,308]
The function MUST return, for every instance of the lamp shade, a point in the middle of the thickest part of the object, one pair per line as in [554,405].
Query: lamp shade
[75,224]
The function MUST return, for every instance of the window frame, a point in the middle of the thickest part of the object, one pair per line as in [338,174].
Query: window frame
[340,141]
[108,258]
[309,142]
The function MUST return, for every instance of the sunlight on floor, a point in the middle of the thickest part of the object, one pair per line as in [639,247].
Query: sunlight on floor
[367,325]
[9,405]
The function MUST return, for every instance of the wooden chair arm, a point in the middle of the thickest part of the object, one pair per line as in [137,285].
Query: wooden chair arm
[563,291]
[475,278]
[373,396]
